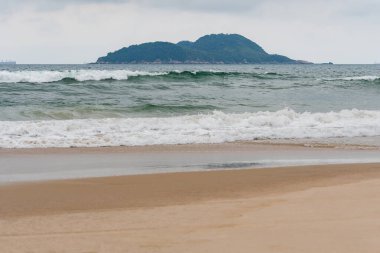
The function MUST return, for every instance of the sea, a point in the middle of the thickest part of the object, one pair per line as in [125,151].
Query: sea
[92,105]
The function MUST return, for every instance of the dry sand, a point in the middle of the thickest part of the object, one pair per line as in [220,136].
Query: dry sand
[334,208]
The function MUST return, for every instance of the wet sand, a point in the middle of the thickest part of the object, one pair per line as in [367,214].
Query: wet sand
[69,163]
[333,208]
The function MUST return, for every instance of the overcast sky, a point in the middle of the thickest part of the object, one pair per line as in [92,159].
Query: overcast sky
[80,31]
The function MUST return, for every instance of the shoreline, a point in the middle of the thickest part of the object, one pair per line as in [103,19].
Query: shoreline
[152,148]
[331,143]
[308,143]
[166,189]
[22,165]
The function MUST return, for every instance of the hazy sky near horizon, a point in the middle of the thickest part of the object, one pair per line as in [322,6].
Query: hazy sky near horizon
[80,31]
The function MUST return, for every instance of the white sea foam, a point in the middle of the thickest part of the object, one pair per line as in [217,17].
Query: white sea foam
[216,127]
[79,75]
[363,78]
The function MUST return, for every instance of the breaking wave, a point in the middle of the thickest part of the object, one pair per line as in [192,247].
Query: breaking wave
[216,127]
[359,78]
[100,75]
[77,75]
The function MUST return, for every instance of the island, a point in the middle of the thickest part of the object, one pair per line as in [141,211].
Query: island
[209,49]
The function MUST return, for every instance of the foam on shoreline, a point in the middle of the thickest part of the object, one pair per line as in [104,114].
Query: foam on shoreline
[216,127]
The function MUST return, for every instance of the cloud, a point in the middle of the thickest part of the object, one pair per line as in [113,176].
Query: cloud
[77,31]
[349,7]
[12,6]
[198,5]
[201,5]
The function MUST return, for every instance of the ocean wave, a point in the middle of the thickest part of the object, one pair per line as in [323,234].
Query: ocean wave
[70,75]
[359,78]
[103,75]
[216,127]
[170,108]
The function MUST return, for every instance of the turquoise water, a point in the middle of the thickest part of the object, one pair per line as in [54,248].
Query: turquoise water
[113,105]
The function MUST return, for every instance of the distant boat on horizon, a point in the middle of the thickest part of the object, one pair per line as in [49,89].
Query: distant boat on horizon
[8,63]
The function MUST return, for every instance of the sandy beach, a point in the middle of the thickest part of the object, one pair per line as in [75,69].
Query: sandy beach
[331,208]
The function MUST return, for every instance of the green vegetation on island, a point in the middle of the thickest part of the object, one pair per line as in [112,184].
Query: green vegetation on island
[214,49]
